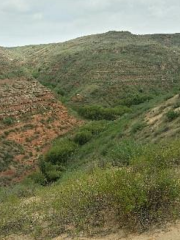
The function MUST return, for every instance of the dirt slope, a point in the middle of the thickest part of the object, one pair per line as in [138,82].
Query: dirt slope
[30,118]
[171,232]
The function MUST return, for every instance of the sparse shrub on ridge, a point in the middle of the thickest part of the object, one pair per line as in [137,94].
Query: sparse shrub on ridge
[171,115]
[8,121]
[138,127]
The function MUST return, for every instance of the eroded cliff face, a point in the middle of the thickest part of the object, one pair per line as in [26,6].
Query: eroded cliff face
[30,118]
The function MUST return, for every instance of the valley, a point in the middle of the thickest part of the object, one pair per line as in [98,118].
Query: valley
[89,138]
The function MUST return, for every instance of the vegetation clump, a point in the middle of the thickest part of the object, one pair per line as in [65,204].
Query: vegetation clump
[8,121]
[138,127]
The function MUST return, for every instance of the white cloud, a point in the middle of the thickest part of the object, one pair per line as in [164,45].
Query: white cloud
[15,5]
[37,16]
[31,21]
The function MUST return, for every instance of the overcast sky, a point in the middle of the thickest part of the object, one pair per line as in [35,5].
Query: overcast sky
[25,22]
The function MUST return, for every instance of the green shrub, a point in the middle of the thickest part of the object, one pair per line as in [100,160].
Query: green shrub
[171,115]
[83,137]
[50,172]
[60,152]
[160,156]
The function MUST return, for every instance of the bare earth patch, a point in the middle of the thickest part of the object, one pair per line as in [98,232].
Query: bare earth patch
[171,232]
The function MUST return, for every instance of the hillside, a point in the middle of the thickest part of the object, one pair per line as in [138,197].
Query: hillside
[104,161]
[106,68]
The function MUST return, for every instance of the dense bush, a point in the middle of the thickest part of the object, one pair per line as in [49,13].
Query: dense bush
[101,113]
[60,152]
[52,165]
[83,137]
[51,172]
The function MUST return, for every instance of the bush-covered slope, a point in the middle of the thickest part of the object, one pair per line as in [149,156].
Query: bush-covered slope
[135,197]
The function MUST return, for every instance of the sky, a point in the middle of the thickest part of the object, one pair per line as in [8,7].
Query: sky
[24,22]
